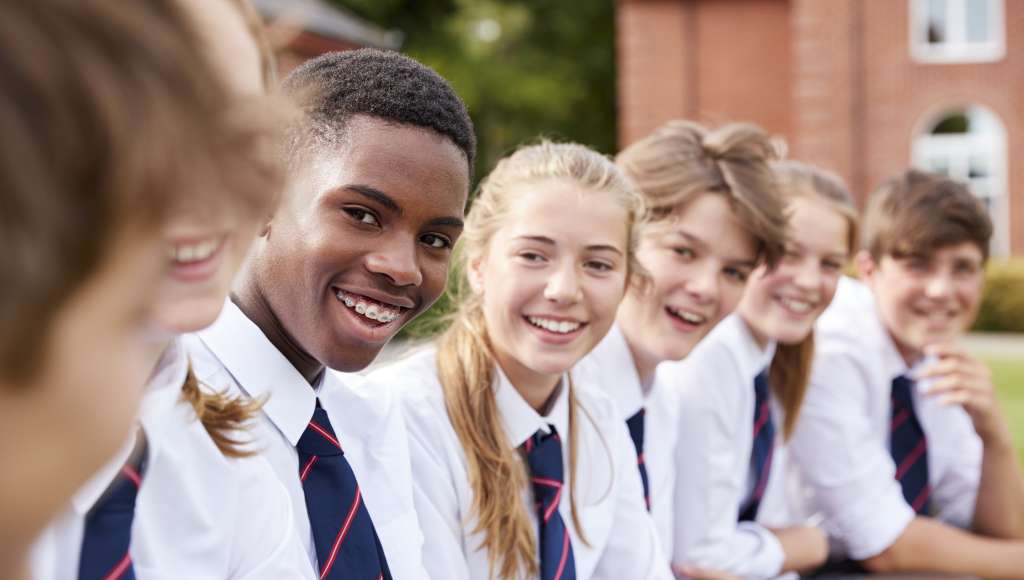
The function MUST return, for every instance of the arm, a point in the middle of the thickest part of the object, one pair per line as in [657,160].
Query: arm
[961,379]
[805,548]
[712,473]
[927,545]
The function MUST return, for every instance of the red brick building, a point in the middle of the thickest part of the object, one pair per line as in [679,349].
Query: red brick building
[314,27]
[864,88]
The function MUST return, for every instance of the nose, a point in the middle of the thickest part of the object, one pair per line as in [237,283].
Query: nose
[939,285]
[563,286]
[397,261]
[807,274]
[703,283]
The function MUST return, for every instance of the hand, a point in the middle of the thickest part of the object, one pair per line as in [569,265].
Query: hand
[961,379]
[694,573]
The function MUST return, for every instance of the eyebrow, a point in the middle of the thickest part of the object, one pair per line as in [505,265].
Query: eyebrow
[376,195]
[593,247]
[452,222]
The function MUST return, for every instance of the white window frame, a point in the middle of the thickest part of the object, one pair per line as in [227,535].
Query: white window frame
[957,149]
[956,49]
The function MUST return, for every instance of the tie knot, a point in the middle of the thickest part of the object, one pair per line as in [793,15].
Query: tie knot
[761,390]
[544,456]
[636,429]
[319,438]
[902,390]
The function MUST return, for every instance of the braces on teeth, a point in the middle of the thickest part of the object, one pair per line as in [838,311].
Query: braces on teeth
[371,311]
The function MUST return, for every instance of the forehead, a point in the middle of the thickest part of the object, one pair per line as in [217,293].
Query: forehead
[814,223]
[542,207]
[709,221]
[417,167]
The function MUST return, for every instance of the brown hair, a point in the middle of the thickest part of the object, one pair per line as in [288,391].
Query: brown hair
[682,160]
[917,212]
[108,118]
[791,366]
[225,416]
[465,358]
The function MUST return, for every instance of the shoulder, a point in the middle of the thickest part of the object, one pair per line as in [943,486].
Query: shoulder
[416,389]
[598,404]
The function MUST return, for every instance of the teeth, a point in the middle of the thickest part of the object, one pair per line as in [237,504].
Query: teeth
[688,316]
[798,306]
[186,253]
[377,312]
[561,327]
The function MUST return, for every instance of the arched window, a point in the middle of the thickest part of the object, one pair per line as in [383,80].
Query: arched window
[969,144]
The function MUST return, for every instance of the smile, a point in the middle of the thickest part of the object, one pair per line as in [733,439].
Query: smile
[368,308]
[686,316]
[795,305]
[556,326]
[192,252]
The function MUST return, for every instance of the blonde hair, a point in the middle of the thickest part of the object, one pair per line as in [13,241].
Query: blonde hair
[682,160]
[465,359]
[791,366]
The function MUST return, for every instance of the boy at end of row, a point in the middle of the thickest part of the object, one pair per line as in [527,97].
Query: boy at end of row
[902,442]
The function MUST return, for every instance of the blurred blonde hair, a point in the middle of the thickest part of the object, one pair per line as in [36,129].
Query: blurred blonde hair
[465,359]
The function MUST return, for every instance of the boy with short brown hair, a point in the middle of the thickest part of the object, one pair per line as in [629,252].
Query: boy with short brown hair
[901,439]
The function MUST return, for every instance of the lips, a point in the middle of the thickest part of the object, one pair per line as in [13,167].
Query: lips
[372,309]
[557,326]
[685,316]
[195,260]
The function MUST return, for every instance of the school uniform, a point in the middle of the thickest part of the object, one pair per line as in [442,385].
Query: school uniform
[651,413]
[622,539]
[730,460]
[364,427]
[197,513]
[845,442]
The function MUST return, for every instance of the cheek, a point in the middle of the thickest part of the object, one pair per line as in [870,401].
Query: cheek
[606,295]
[729,298]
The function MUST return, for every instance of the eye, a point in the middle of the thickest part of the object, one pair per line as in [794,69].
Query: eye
[685,253]
[831,265]
[363,216]
[532,257]
[598,266]
[736,275]
[965,268]
[436,241]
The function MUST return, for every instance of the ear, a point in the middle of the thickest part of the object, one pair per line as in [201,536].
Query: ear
[475,275]
[866,265]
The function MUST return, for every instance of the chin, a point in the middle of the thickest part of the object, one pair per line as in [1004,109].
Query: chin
[351,360]
[190,315]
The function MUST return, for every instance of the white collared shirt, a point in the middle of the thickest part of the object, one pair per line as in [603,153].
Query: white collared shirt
[193,512]
[609,497]
[611,368]
[842,438]
[714,478]
[234,355]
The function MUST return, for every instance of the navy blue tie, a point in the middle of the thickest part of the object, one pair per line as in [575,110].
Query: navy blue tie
[346,542]
[544,457]
[909,447]
[636,433]
[763,448]
[108,525]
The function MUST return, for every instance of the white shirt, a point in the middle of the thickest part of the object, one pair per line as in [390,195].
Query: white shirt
[609,497]
[714,478]
[611,368]
[842,439]
[234,355]
[193,513]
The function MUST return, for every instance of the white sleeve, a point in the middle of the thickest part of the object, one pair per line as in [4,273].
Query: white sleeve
[633,549]
[711,477]
[265,543]
[844,461]
[437,505]
[956,451]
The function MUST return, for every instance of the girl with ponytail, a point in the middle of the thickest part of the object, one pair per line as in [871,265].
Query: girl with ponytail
[714,214]
[742,388]
[202,504]
[521,471]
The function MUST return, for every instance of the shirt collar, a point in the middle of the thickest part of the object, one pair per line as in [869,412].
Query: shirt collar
[615,369]
[170,370]
[520,419]
[261,371]
[758,358]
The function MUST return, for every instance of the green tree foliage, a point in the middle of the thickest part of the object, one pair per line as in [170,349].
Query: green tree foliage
[525,68]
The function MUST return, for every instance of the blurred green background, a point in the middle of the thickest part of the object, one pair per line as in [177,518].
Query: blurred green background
[526,68]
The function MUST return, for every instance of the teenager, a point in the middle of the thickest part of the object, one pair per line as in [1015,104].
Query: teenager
[714,215]
[377,183]
[741,390]
[188,484]
[519,472]
[112,114]
[901,440]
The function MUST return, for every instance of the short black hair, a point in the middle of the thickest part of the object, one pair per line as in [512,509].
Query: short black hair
[387,85]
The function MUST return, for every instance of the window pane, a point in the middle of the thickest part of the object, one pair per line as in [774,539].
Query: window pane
[936,18]
[955,123]
[978,25]
[978,167]
[939,164]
